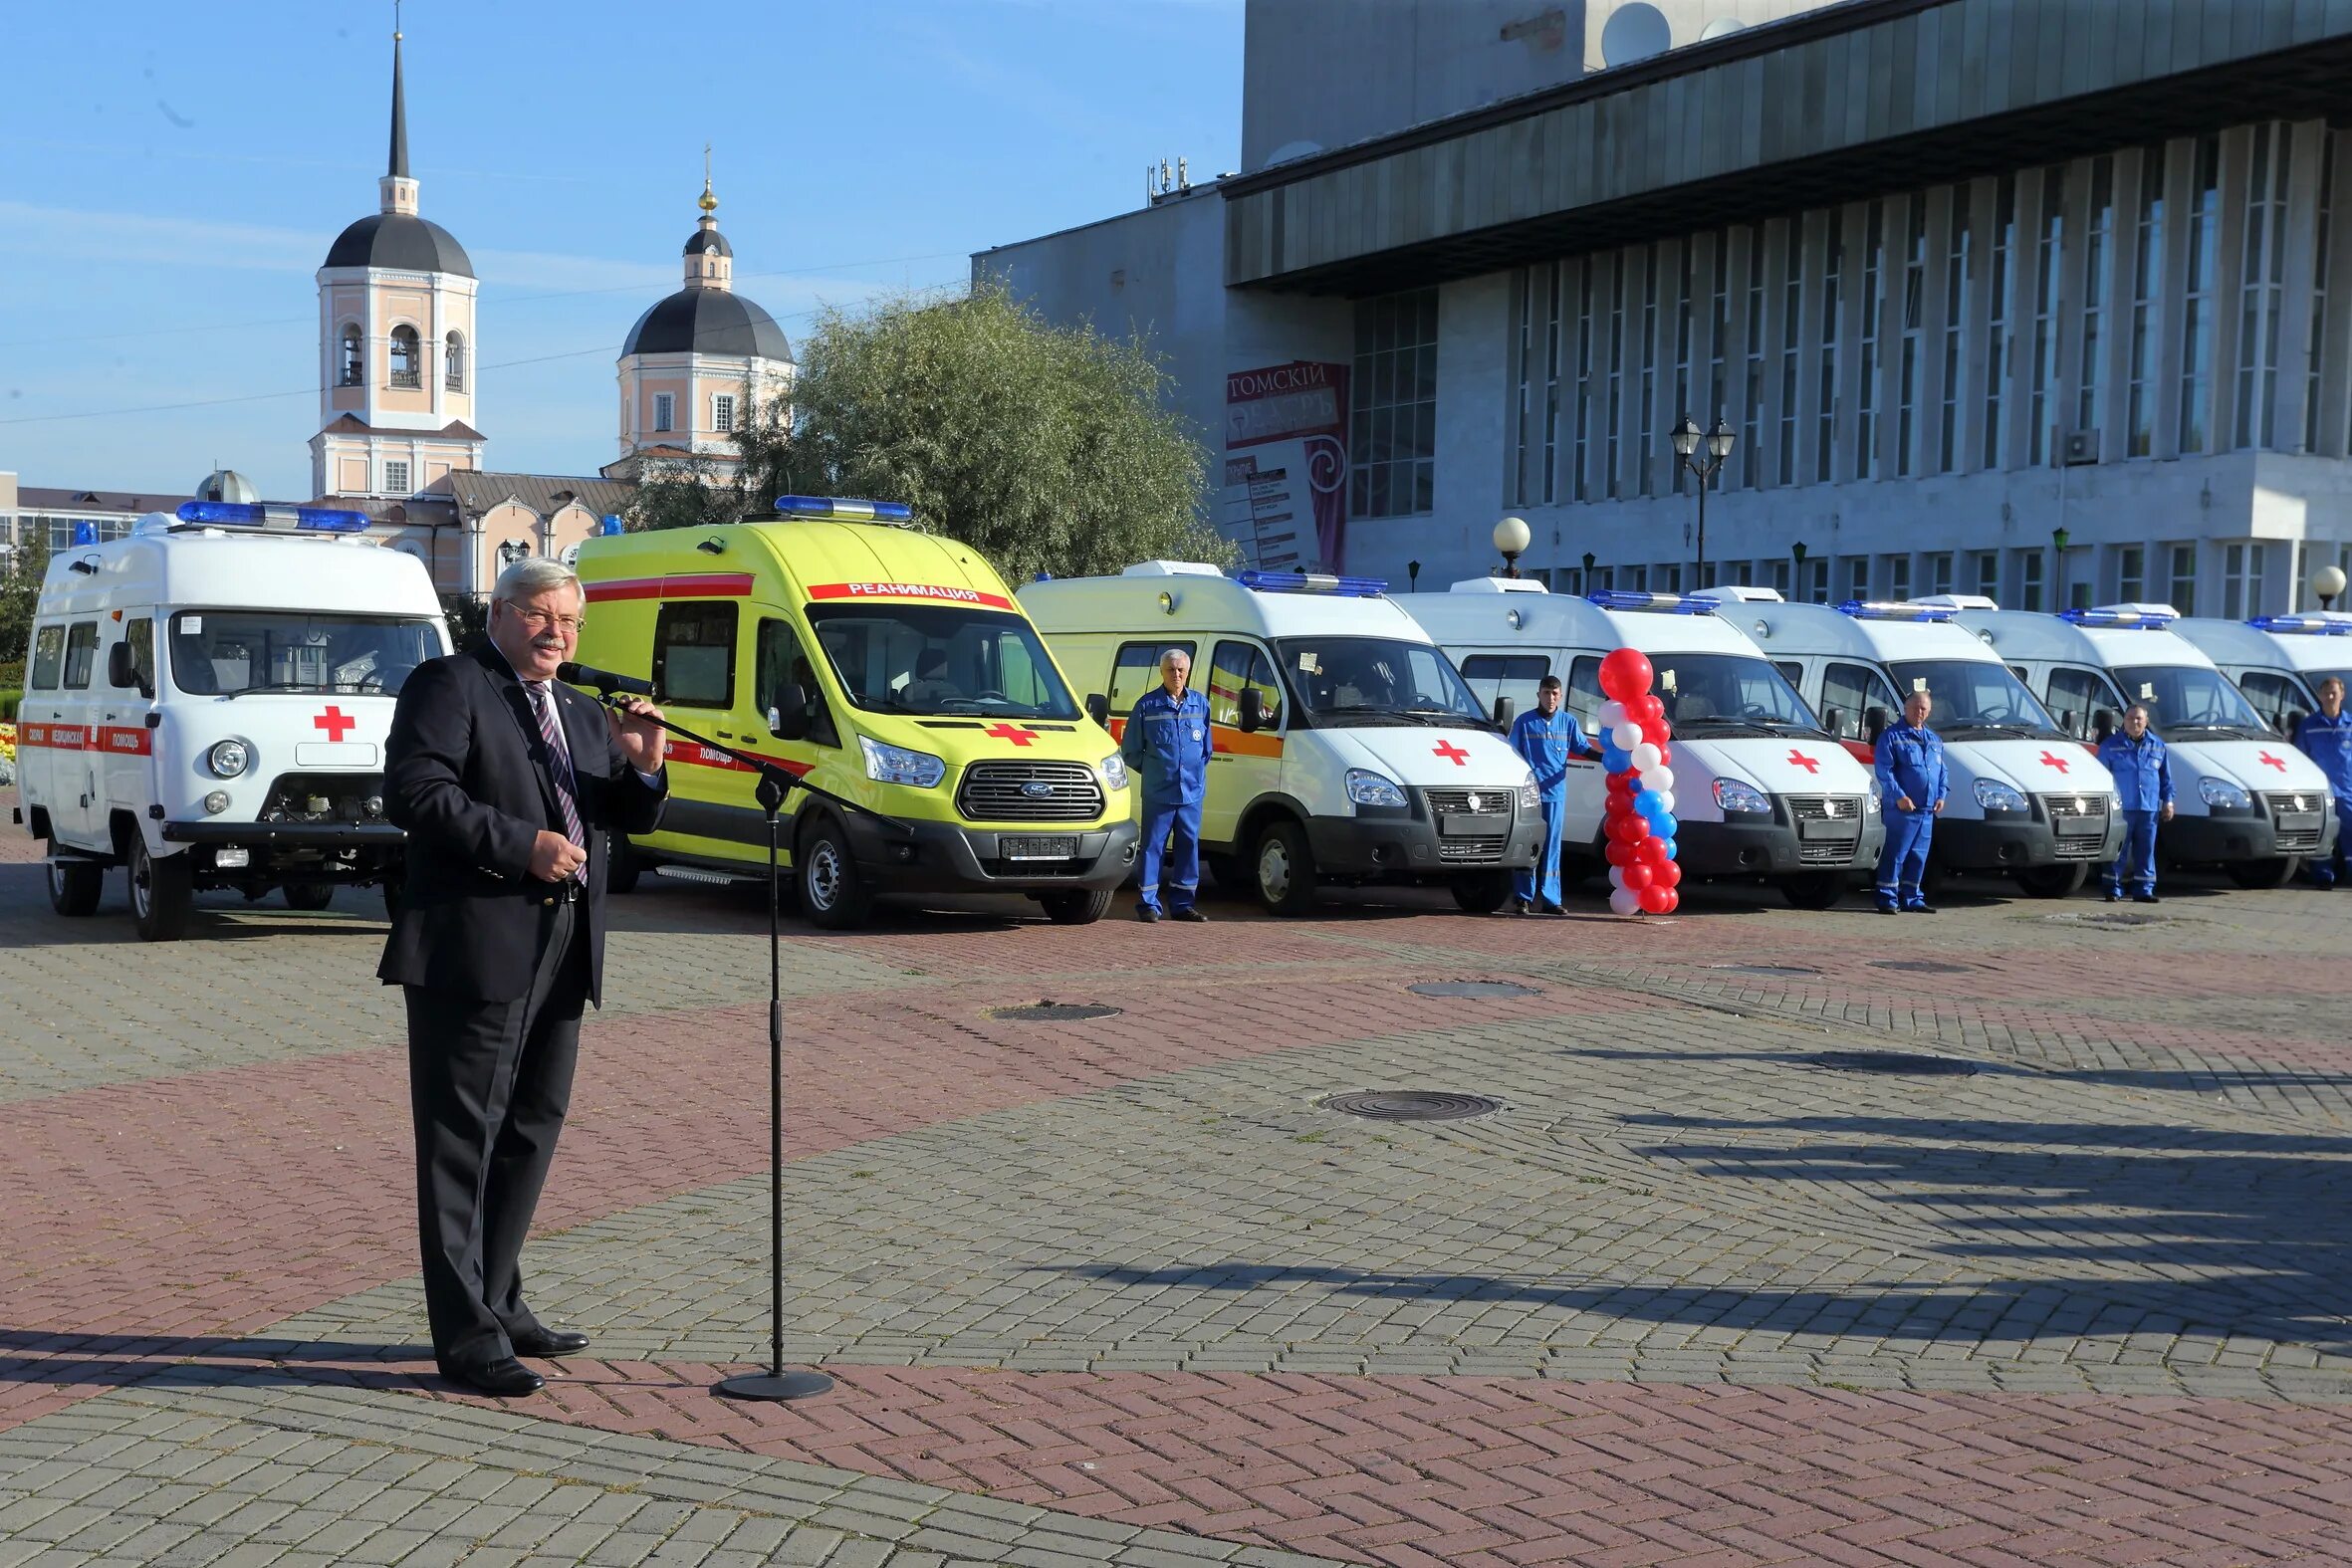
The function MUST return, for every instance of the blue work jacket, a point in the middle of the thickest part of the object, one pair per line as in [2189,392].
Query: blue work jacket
[2142,770]
[2328,741]
[1546,745]
[1911,764]
[1167,743]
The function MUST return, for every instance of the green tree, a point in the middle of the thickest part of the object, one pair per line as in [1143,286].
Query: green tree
[1045,448]
[692,493]
[20,591]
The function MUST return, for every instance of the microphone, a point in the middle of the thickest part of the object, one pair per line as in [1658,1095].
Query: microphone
[605,681]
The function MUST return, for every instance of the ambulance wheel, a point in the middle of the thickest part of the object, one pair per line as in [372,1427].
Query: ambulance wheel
[163,894]
[622,866]
[1076,907]
[832,895]
[2054,881]
[1482,894]
[1284,867]
[1813,889]
[73,886]
[2264,873]
[308,895]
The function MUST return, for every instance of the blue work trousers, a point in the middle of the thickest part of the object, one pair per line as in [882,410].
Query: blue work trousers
[2135,861]
[2337,867]
[1904,861]
[1541,883]
[1182,865]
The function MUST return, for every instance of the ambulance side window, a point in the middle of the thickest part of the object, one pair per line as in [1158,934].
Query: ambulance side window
[2273,697]
[140,635]
[694,655]
[1137,670]
[782,662]
[1240,665]
[1511,675]
[49,657]
[1852,689]
[1791,672]
[1585,698]
[2076,693]
[80,654]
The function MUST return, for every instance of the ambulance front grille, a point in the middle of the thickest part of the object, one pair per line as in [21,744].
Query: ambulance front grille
[1009,791]
[1843,809]
[2305,841]
[1492,814]
[2079,823]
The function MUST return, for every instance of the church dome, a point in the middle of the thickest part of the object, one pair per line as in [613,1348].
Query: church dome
[707,242]
[707,321]
[226,484]
[402,241]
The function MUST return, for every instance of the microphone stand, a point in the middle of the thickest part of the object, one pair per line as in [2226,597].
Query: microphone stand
[775,782]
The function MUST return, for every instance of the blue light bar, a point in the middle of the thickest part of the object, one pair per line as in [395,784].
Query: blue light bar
[1880,609]
[609,524]
[1664,603]
[86,532]
[1311,583]
[244,514]
[2144,621]
[841,509]
[2332,625]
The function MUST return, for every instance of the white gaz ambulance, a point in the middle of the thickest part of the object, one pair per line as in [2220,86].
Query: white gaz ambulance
[1761,791]
[2245,799]
[2278,661]
[1347,747]
[206,704]
[2027,799]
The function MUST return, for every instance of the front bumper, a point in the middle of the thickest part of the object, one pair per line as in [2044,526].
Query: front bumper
[287,835]
[1403,844]
[1761,847]
[2015,842]
[944,857]
[2220,840]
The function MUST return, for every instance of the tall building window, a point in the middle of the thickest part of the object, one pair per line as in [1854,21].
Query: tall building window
[1683,307]
[2320,258]
[1988,574]
[2131,574]
[2098,242]
[1940,573]
[1718,339]
[2147,298]
[2198,303]
[1538,383]
[354,360]
[1791,312]
[395,477]
[1644,456]
[1997,348]
[723,413]
[1394,426]
[453,362]
[1817,581]
[1857,576]
[1959,258]
[2181,592]
[1832,264]
[1910,368]
[407,367]
[1866,351]
[665,410]
[2050,246]
[1899,578]
[2030,579]
[1581,464]
[1616,373]
[2264,290]
[1752,406]
[2242,581]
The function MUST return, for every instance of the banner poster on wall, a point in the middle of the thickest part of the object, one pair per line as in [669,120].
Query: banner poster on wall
[1285,465]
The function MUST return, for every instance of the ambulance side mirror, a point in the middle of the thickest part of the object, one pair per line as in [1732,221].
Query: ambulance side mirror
[2292,718]
[1505,711]
[1253,715]
[1833,721]
[1098,709]
[789,719]
[122,669]
[2066,721]
[2102,722]
[1874,723]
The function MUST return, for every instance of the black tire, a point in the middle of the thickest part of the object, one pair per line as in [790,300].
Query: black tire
[1078,907]
[162,893]
[622,865]
[2062,880]
[1483,892]
[1283,868]
[2257,874]
[1813,889]
[74,886]
[832,892]
[308,895]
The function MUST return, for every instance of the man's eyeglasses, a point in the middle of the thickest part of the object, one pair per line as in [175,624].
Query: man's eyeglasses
[548,621]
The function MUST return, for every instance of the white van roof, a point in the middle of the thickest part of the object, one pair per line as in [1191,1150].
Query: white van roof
[2313,641]
[1476,617]
[2147,638]
[1741,594]
[164,564]
[1880,633]
[1268,605]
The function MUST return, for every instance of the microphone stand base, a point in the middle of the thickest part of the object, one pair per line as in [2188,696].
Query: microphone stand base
[773,1385]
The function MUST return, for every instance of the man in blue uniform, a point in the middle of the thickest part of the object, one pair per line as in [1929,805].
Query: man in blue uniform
[1167,743]
[2326,738]
[2143,771]
[1912,784]
[1546,736]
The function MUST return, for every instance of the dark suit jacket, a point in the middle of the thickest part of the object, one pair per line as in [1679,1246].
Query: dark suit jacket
[466,774]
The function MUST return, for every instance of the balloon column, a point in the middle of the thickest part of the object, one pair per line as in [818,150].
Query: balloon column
[1638,822]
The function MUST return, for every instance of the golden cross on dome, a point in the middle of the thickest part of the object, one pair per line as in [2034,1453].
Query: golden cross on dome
[709,202]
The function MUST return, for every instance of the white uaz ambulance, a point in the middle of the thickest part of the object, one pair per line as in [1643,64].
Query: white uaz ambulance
[2244,799]
[2027,799]
[1760,789]
[2278,661]
[206,704]
[1347,747]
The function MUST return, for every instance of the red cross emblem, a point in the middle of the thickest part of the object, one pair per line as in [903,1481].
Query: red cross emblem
[334,721]
[1808,764]
[2277,763]
[2048,761]
[1011,732]
[1449,749]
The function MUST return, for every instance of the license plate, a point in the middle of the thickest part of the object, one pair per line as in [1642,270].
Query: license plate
[1058,847]
[1459,825]
[2080,826]
[1826,827]
[2298,821]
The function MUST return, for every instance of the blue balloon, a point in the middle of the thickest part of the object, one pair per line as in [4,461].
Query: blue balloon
[1669,843]
[1649,803]
[1664,825]
[1614,760]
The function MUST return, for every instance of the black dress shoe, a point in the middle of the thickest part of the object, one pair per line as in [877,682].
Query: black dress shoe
[2145,898]
[550,1342]
[1146,914]
[1550,908]
[505,1378]
[1193,914]
[1919,909]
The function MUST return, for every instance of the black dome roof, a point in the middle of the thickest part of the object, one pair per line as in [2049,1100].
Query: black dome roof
[396,239]
[707,242]
[707,321]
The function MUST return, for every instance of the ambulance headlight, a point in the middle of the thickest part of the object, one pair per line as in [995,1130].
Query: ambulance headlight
[216,803]
[1993,795]
[228,759]
[1870,801]
[1531,798]
[899,765]
[1114,770]
[2223,795]
[1737,794]
[1366,788]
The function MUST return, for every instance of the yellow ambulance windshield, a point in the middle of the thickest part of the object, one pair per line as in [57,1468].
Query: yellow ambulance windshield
[940,659]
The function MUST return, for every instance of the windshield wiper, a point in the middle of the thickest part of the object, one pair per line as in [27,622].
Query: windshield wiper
[290,686]
[1371,710]
[1985,727]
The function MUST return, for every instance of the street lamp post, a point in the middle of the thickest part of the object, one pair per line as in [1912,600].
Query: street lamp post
[1413,575]
[2058,567]
[1589,558]
[1796,581]
[2328,584]
[1511,537]
[1687,442]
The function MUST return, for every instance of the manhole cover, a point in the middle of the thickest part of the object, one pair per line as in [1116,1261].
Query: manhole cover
[1920,966]
[1765,969]
[2117,918]
[1893,1062]
[1054,1012]
[1473,988]
[1410,1105]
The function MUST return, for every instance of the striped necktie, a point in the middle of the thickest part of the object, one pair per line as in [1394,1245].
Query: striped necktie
[558,761]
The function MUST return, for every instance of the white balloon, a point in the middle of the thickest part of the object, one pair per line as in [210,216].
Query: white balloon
[1645,757]
[1666,801]
[1612,714]
[1616,876]
[1660,778]
[1626,735]
[1625,901]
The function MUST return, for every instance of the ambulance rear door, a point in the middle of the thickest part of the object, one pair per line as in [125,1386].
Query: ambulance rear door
[124,746]
[1246,766]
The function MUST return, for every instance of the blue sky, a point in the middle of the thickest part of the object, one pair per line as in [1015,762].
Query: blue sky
[168,186]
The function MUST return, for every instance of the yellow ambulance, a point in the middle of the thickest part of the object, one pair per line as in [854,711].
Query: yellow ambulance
[886,665]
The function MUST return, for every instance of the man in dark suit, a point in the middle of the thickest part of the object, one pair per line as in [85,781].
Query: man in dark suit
[507,781]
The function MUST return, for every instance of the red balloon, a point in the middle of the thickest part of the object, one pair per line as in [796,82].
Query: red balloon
[1625,783]
[1617,854]
[1651,850]
[1665,755]
[1626,827]
[1657,900]
[1666,875]
[1646,710]
[1637,876]
[1625,674]
[1673,900]
[1657,731]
